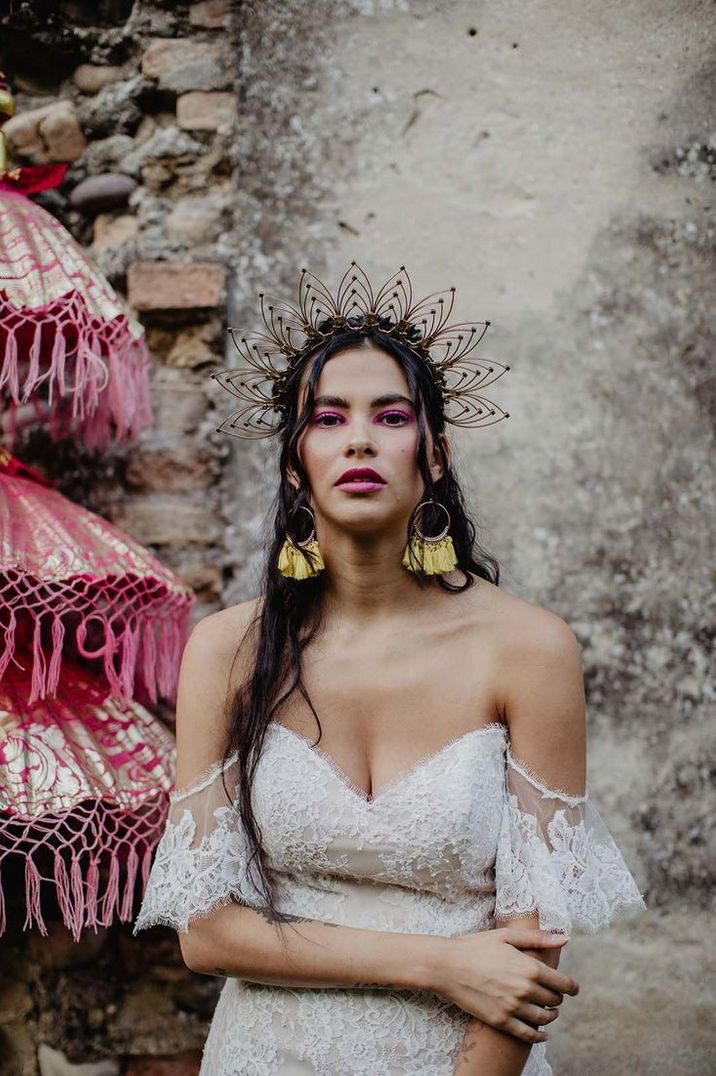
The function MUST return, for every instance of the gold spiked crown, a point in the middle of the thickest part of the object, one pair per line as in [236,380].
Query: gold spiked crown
[292,332]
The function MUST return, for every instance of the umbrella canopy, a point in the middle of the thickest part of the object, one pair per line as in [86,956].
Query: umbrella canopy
[84,794]
[67,574]
[68,344]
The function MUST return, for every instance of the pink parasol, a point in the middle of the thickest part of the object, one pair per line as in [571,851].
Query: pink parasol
[68,344]
[66,339]
[84,793]
[65,571]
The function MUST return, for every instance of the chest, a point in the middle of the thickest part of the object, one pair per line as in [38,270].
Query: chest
[435,826]
[388,701]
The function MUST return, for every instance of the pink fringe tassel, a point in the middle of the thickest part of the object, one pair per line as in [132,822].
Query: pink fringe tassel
[32,892]
[98,835]
[110,388]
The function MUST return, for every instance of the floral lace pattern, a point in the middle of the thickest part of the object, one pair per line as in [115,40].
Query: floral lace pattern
[556,856]
[465,837]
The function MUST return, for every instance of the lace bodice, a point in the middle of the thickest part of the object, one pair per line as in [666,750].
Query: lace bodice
[465,838]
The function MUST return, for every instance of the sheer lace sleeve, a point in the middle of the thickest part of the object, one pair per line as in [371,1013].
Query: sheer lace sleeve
[556,856]
[201,861]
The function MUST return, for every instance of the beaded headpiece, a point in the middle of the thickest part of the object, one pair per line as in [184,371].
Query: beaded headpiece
[293,332]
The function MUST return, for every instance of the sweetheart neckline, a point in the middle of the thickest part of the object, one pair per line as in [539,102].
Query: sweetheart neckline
[410,773]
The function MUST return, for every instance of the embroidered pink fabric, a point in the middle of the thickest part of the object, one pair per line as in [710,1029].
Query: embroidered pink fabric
[66,575]
[66,338]
[84,793]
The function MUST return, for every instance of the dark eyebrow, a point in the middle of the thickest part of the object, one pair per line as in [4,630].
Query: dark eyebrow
[379,401]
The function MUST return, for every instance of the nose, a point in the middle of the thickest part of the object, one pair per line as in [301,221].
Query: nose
[359,441]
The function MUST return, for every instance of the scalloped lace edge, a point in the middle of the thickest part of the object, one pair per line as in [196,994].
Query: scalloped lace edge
[151,919]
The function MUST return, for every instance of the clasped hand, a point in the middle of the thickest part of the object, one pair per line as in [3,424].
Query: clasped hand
[490,976]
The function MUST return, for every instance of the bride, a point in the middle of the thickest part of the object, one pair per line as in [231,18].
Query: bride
[381,835]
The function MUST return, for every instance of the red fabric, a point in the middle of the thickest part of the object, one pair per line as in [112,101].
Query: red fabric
[31,179]
[11,465]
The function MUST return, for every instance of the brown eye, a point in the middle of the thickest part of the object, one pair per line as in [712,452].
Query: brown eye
[318,419]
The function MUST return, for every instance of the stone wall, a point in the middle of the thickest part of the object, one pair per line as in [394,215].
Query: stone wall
[142,100]
[555,162]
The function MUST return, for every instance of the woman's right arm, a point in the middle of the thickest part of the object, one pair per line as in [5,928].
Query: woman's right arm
[483,973]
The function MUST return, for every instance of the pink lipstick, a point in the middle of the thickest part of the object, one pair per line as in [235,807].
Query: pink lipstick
[360,480]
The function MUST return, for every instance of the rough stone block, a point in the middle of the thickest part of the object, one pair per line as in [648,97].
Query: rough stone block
[192,347]
[108,153]
[54,1062]
[201,111]
[111,231]
[91,78]
[58,949]
[171,519]
[47,134]
[108,191]
[178,405]
[194,220]
[163,143]
[181,465]
[210,14]
[180,64]
[176,285]
[15,1000]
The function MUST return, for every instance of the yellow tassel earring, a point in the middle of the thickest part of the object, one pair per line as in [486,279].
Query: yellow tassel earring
[291,560]
[430,555]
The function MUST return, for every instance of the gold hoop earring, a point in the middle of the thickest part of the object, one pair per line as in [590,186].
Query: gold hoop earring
[291,560]
[431,556]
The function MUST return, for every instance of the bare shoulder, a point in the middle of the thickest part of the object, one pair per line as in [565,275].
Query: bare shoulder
[209,676]
[531,631]
[221,632]
[540,686]
[520,628]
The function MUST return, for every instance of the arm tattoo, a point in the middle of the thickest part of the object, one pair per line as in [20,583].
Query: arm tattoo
[271,918]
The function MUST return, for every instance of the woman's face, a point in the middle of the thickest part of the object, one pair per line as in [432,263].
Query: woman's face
[363,417]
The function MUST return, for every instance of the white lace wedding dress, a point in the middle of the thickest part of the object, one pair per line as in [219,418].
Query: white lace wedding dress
[468,835]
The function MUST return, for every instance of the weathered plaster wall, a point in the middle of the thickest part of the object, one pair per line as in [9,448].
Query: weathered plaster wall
[555,162]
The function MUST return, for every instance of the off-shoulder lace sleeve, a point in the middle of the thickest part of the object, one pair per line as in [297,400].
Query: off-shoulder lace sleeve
[556,856]
[201,860]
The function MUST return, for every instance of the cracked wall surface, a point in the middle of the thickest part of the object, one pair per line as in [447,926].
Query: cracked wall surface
[554,162]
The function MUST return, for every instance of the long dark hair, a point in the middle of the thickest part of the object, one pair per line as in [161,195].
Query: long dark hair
[289,612]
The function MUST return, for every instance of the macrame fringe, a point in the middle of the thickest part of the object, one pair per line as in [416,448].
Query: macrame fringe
[150,645]
[77,886]
[108,396]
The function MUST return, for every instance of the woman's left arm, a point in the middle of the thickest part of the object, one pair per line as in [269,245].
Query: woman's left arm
[487,1051]
[545,707]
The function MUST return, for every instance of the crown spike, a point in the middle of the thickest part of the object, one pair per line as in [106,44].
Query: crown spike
[290,333]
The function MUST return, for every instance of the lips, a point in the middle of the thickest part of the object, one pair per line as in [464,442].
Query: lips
[362,474]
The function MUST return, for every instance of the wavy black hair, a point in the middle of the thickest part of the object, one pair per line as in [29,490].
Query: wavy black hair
[289,612]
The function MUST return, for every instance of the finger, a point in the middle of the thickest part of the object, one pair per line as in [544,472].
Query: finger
[557,980]
[532,937]
[522,1031]
[541,995]
[536,1015]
